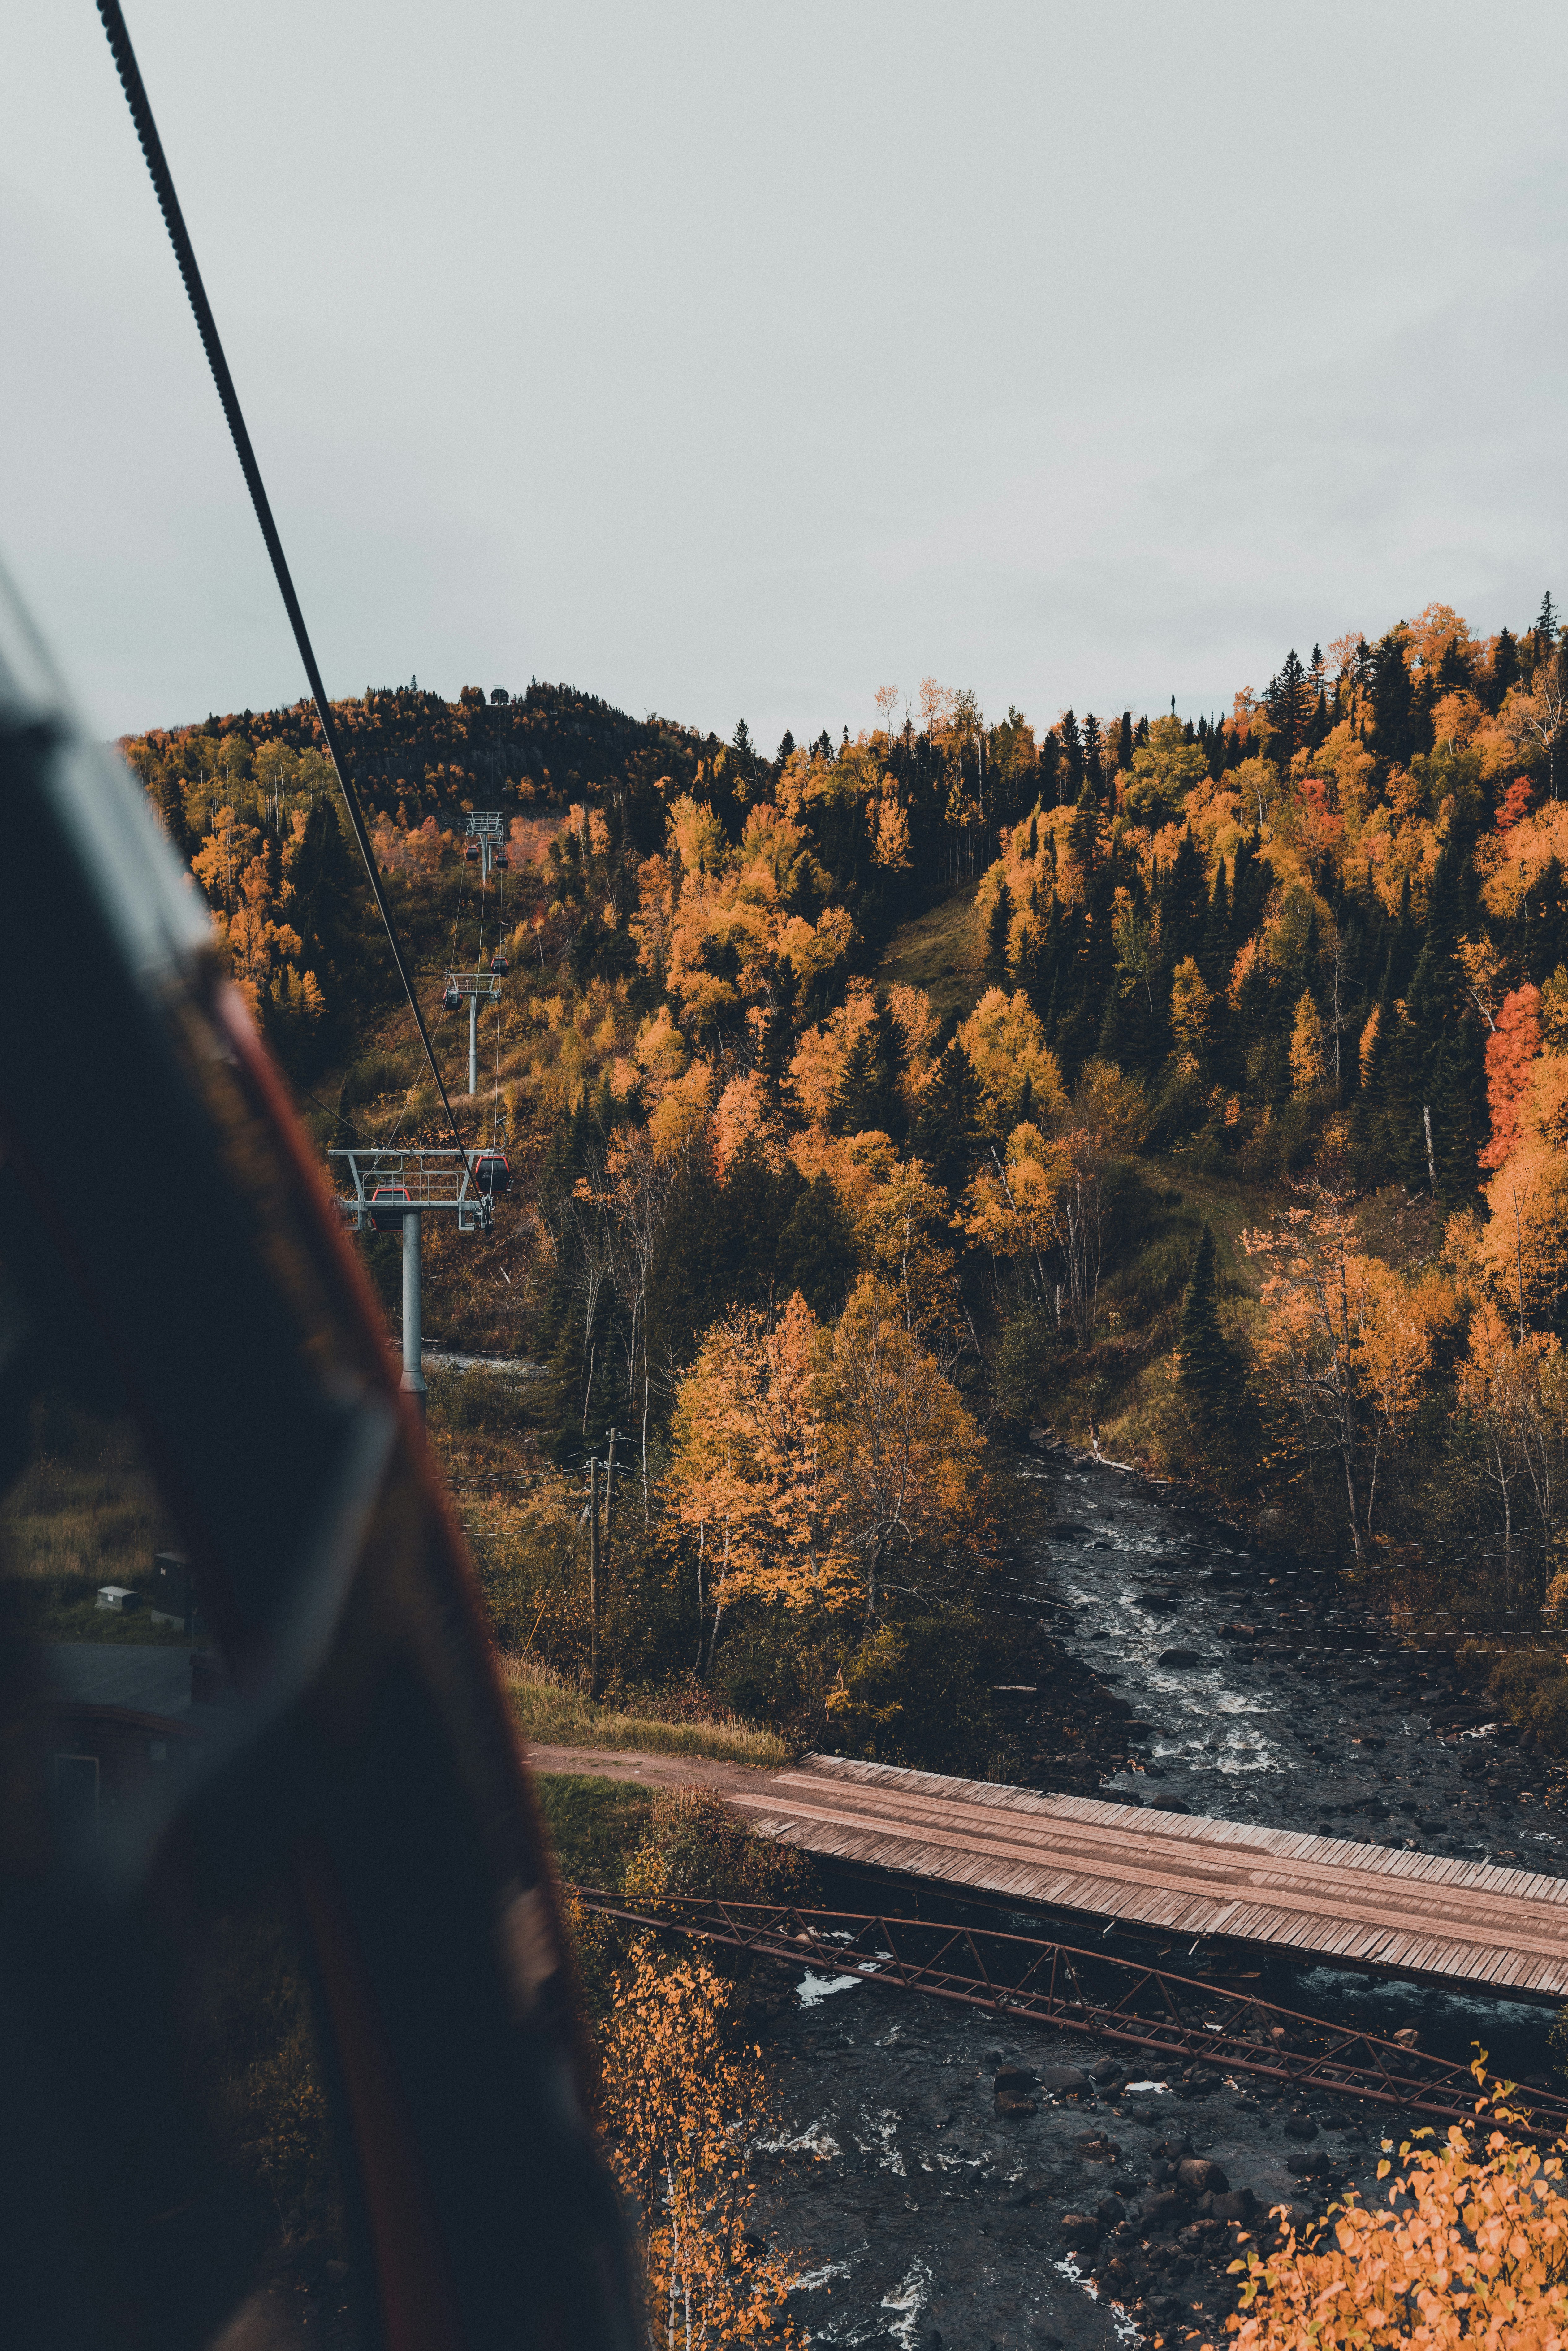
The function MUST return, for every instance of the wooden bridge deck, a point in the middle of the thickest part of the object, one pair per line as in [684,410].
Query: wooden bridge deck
[1377,1905]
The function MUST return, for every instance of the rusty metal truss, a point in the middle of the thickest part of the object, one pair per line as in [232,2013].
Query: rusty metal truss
[1125,2004]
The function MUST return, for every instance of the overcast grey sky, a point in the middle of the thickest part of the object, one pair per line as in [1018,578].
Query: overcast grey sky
[732,361]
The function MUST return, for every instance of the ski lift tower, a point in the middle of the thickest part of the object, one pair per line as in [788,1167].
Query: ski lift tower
[480,987]
[394,1191]
[487,828]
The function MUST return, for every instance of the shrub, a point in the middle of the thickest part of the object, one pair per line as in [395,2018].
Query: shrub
[1531,1686]
[697,1846]
[473,1400]
[919,1693]
[1472,2247]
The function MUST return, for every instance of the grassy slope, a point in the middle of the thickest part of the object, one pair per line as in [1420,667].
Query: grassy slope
[594,1824]
[941,952]
[553,1713]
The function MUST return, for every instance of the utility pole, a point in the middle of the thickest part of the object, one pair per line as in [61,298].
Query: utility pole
[595,1586]
[413,1336]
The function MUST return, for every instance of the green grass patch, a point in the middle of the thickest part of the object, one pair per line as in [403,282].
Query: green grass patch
[594,1824]
[942,952]
[552,1712]
[53,1616]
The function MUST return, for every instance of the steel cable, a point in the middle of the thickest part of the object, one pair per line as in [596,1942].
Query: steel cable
[206,326]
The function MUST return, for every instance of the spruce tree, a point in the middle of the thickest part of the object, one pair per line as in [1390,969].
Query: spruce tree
[1093,762]
[1072,756]
[947,1131]
[1290,707]
[1504,670]
[779,1031]
[817,1251]
[1211,1373]
[1083,832]
[1393,698]
[997,961]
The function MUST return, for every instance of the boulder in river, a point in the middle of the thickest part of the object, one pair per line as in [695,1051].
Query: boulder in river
[1082,2229]
[1233,2204]
[1300,2125]
[1179,1658]
[1200,2177]
[1063,2081]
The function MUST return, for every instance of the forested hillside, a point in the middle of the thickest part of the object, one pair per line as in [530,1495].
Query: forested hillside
[1198,1090]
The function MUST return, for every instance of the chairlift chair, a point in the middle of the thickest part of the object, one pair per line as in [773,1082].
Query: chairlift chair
[389,1217]
[492,1172]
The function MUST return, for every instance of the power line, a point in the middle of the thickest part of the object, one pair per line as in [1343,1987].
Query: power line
[206,326]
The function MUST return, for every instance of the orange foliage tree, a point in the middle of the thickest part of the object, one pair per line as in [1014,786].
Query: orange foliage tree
[803,1461]
[1514,1388]
[747,1474]
[1510,1049]
[903,1453]
[684,2115]
[1472,2247]
[1346,1341]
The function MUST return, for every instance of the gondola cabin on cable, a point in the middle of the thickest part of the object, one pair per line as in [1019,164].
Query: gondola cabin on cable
[500,860]
[499,964]
[492,1172]
[453,999]
[387,1202]
[471,853]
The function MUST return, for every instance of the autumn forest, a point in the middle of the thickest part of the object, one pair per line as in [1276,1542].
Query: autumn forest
[1192,1093]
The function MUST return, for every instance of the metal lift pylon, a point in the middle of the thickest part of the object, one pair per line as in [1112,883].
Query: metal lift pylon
[480,987]
[396,1187]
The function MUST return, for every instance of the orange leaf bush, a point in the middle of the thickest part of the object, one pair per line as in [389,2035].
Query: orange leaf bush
[1472,2247]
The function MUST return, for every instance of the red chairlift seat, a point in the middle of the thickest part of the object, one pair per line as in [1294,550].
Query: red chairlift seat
[492,1172]
[389,1217]
[499,962]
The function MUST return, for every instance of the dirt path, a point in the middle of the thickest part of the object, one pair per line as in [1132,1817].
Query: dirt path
[649,1770]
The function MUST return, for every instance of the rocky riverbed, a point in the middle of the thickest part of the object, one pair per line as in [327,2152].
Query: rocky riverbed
[937,2180]
[945,2181]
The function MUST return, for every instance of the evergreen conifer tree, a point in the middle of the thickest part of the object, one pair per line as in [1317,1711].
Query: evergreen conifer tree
[817,1251]
[779,1031]
[1072,758]
[1093,761]
[946,1132]
[997,961]
[1083,832]
[1212,1376]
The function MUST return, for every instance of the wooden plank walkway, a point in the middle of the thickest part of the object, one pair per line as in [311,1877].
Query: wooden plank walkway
[1465,1922]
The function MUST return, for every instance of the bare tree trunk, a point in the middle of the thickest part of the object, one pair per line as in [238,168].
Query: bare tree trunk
[595,1584]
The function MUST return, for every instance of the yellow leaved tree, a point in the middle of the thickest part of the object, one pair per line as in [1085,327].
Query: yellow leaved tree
[747,1476]
[1345,1341]
[684,2115]
[1471,2247]
[902,1454]
[803,1461]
